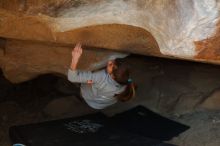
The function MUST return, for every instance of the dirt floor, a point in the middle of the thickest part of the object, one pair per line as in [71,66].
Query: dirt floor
[204,131]
[48,97]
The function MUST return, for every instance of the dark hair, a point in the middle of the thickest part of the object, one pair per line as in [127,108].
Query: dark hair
[121,73]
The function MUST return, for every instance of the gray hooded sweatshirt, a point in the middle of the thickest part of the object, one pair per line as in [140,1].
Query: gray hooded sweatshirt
[100,93]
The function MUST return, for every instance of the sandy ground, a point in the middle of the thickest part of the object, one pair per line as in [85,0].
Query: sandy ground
[204,131]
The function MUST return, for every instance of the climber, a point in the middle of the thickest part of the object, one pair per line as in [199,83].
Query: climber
[105,87]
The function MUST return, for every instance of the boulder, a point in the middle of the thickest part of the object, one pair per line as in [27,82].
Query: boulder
[212,102]
[1,56]
[24,60]
[169,28]
[2,47]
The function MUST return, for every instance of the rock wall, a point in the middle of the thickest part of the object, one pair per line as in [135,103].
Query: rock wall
[1,56]
[2,48]
[174,87]
[24,60]
[165,28]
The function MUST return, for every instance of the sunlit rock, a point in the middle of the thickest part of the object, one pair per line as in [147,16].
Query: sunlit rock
[165,28]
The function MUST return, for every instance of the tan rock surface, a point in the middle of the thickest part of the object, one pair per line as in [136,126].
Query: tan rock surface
[208,49]
[112,36]
[213,101]
[25,60]
[164,28]
[175,24]
[1,56]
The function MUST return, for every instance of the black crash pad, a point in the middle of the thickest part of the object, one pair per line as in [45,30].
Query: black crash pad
[144,122]
[90,130]
[56,130]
